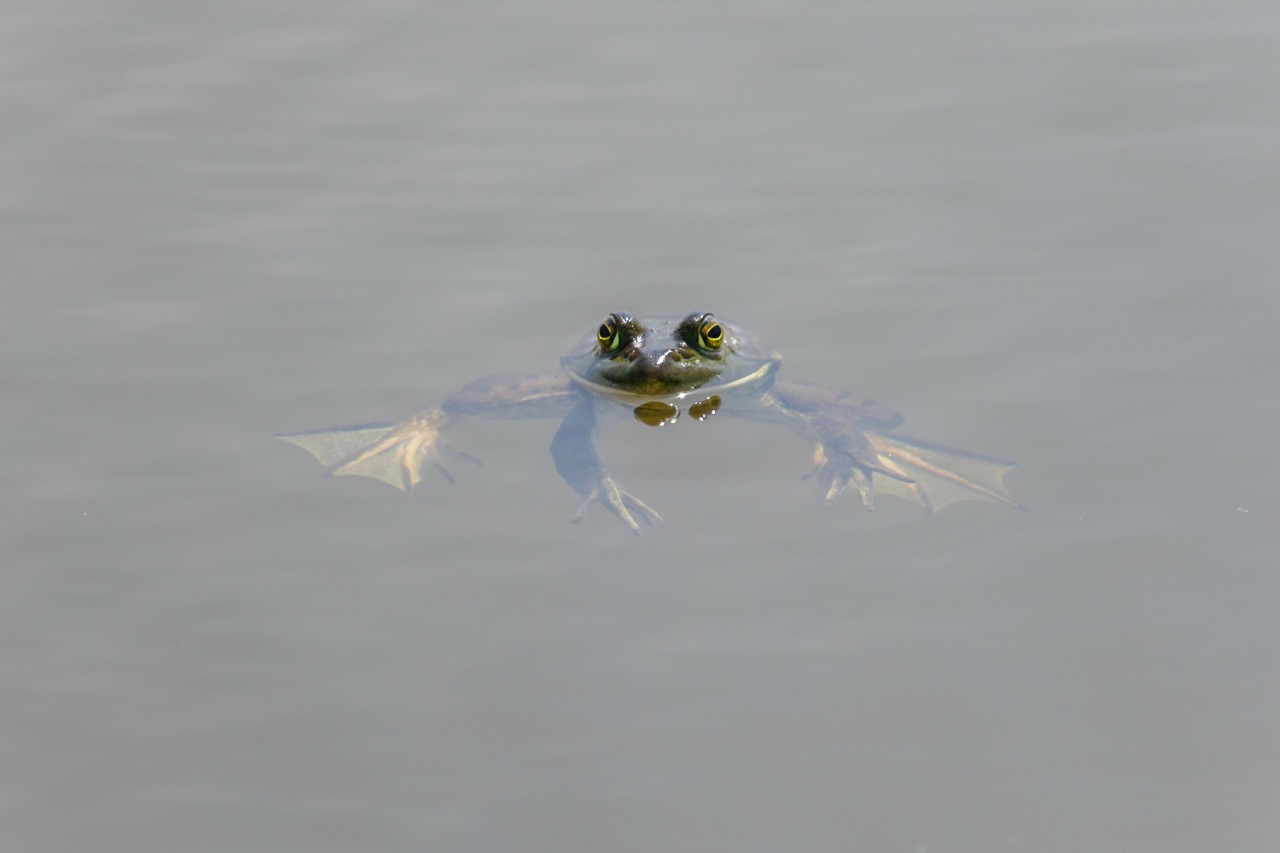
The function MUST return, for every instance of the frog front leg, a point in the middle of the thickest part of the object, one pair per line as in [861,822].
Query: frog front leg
[399,453]
[579,463]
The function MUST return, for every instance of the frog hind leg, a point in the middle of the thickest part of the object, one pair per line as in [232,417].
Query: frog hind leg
[393,453]
[938,476]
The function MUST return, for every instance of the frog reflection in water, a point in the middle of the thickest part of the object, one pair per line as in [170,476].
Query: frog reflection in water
[654,368]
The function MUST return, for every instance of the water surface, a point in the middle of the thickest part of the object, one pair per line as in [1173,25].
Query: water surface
[1046,234]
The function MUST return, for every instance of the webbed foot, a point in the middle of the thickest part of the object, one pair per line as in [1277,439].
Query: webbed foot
[395,454]
[929,474]
[619,502]
[940,475]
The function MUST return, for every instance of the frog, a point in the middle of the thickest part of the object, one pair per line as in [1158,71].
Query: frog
[658,369]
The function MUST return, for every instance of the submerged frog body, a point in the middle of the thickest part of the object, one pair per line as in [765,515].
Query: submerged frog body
[656,368]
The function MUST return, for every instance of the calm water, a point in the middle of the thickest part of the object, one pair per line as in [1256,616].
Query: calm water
[1047,234]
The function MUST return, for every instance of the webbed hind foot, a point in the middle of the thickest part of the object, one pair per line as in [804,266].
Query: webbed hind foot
[938,476]
[396,454]
[931,475]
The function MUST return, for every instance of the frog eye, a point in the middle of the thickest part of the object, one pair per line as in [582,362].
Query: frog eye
[710,333]
[607,335]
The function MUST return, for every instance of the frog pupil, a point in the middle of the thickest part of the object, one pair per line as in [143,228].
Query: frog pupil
[607,336]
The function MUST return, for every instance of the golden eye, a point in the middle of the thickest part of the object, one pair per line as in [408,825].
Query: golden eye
[607,335]
[711,333]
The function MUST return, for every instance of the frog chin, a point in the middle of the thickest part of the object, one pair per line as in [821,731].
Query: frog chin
[667,380]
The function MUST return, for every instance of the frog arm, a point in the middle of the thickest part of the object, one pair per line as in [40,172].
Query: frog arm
[579,464]
[398,453]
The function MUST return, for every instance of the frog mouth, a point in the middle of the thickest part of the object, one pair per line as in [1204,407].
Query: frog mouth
[659,388]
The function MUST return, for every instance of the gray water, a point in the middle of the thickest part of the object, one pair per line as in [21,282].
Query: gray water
[1046,232]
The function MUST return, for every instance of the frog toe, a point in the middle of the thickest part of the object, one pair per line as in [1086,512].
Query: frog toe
[437,455]
[832,483]
[396,454]
[619,502]
[834,474]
